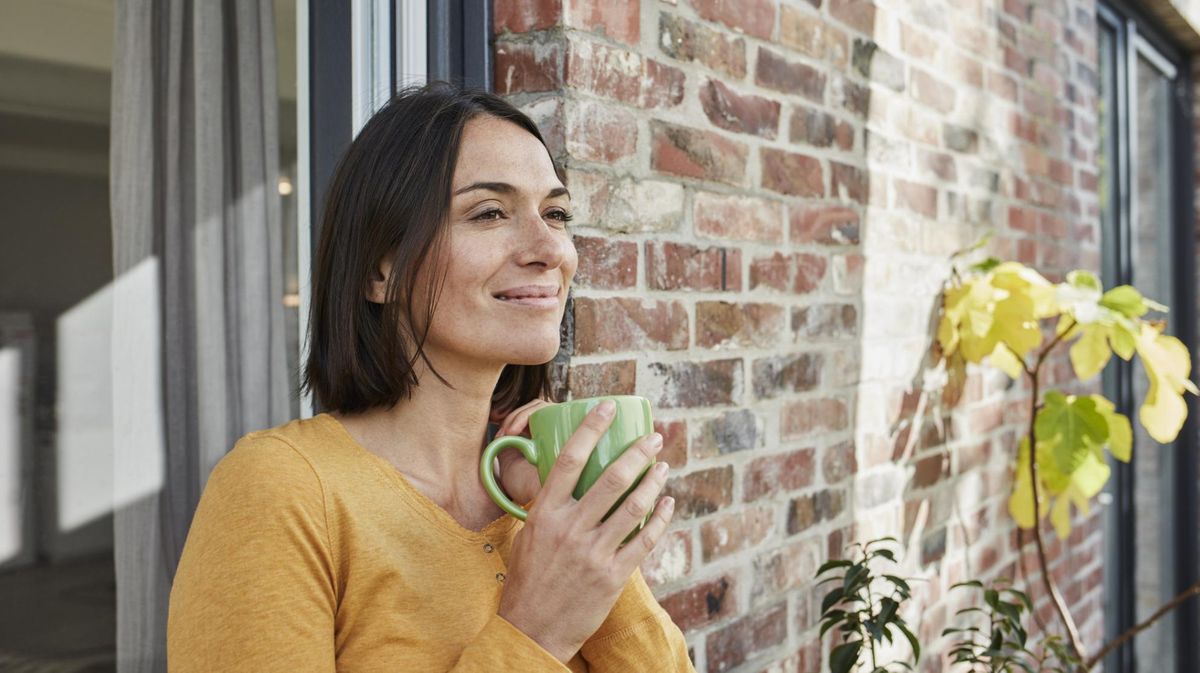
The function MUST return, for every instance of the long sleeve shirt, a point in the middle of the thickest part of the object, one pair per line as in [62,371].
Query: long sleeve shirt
[310,554]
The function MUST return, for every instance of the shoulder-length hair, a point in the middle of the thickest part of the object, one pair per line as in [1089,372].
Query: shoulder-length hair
[390,197]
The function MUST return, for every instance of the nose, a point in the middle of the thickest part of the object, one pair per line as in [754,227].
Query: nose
[542,244]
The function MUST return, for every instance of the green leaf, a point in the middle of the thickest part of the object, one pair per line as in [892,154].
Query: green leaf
[1120,432]
[844,656]
[1091,351]
[1083,280]
[1069,426]
[1168,365]
[912,640]
[831,599]
[1125,300]
[1020,503]
[830,565]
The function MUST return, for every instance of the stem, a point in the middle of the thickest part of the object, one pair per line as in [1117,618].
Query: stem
[1051,588]
[871,611]
[1170,605]
[1037,619]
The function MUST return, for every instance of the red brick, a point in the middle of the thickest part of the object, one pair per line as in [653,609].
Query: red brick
[799,273]
[523,16]
[600,132]
[605,263]
[827,225]
[858,14]
[662,85]
[735,217]
[775,72]
[686,40]
[671,559]
[812,127]
[731,533]
[603,378]
[527,67]
[743,113]
[792,174]
[932,92]
[787,472]
[701,493]
[838,462]
[850,183]
[605,71]
[753,17]
[675,442]
[1022,219]
[628,324]
[679,266]
[809,510]
[782,374]
[931,470]
[825,321]
[744,639]
[721,324]
[698,154]
[706,603]
[920,199]
[812,35]
[620,21]
[804,418]
[692,384]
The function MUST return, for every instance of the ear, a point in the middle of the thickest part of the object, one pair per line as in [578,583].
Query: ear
[377,286]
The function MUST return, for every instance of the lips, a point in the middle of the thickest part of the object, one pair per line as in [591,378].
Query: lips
[531,296]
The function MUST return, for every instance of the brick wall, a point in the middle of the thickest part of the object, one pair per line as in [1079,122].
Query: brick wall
[767,193]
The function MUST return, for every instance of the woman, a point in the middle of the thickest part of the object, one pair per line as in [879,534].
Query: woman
[362,539]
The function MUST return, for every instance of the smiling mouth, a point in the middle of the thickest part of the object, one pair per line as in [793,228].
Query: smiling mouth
[532,302]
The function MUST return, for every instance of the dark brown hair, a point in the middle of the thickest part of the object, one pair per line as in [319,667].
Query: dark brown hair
[390,197]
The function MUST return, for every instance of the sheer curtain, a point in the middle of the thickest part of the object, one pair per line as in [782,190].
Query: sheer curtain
[198,339]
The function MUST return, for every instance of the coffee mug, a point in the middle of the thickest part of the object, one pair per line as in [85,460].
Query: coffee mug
[551,426]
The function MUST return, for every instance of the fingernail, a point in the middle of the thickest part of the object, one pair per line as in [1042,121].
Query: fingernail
[606,408]
[668,504]
[656,440]
[661,469]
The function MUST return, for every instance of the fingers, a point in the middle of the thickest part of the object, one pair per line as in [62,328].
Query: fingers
[631,555]
[618,477]
[560,483]
[634,508]
[518,421]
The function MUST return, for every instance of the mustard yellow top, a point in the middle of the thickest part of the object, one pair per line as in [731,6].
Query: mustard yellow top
[308,553]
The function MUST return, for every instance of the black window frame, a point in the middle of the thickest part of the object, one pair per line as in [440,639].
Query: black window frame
[1129,25]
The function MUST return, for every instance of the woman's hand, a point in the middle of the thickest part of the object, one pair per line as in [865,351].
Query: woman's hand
[518,477]
[568,567]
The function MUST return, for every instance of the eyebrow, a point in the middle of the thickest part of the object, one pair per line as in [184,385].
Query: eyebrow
[505,188]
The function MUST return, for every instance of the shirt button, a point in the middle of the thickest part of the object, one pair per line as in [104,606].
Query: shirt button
[487,547]
[500,577]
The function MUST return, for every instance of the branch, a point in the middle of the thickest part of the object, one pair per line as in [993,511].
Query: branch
[1170,605]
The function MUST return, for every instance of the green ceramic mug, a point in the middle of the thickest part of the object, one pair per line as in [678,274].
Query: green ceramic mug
[551,426]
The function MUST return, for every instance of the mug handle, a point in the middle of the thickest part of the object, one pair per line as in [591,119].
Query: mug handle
[527,449]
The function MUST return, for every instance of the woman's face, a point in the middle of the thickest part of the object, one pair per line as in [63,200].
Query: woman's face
[508,258]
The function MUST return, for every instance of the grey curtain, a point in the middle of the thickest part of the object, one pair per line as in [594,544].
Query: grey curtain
[198,336]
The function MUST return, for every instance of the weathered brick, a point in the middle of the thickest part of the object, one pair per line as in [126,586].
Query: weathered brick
[782,570]
[931,469]
[813,127]
[679,266]
[706,603]
[932,92]
[605,263]
[792,174]
[918,198]
[729,432]
[686,40]
[775,72]
[734,217]
[877,65]
[689,384]
[827,225]
[527,68]
[850,183]
[799,273]
[825,321]
[603,378]
[698,154]
[523,16]
[753,17]
[675,442]
[634,206]
[743,113]
[812,35]
[671,559]
[622,75]
[808,510]
[598,132]
[620,21]
[803,418]
[701,493]
[784,472]
[629,324]
[746,638]
[721,324]
[858,14]
[731,533]
[662,85]
[838,462]
[782,374]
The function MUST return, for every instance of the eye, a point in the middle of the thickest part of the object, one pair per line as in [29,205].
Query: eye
[560,215]
[489,214]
